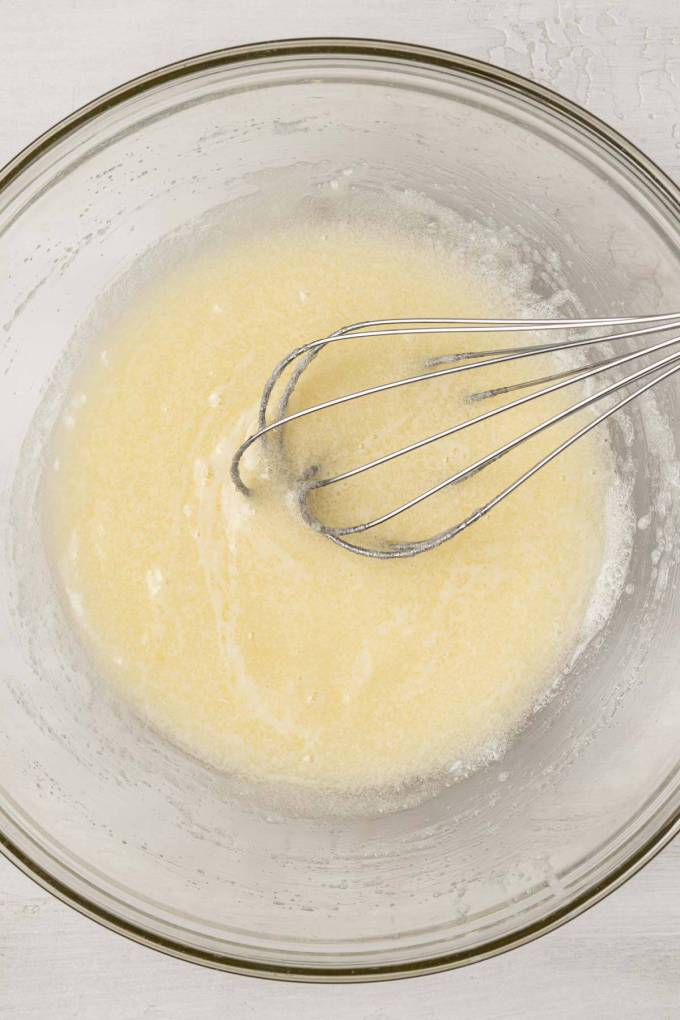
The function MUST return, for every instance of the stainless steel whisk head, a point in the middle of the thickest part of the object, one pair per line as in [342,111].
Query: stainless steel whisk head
[640,379]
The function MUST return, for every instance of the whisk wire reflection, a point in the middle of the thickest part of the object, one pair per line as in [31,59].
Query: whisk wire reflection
[456,363]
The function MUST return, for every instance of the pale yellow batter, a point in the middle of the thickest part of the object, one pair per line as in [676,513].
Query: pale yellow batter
[235,630]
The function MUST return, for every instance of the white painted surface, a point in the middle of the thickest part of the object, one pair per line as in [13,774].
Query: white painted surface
[621,60]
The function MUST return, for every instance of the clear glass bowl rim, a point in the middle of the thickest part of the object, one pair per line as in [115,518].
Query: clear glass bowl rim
[550,101]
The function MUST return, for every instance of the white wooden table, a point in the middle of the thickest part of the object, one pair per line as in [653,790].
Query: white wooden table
[621,59]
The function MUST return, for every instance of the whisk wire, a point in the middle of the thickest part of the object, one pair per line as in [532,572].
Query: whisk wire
[457,363]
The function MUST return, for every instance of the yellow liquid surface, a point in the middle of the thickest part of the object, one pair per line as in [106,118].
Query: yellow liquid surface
[236,630]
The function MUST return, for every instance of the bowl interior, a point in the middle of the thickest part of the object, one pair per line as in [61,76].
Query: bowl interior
[138,833]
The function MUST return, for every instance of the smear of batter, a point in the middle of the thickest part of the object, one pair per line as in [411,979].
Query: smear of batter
[234,629]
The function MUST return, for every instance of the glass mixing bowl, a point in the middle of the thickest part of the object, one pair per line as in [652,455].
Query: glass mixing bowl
[140,836]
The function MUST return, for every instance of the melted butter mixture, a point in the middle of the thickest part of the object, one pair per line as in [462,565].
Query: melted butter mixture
[234,629]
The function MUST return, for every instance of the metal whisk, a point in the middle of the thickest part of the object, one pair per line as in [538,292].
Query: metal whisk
[298,360]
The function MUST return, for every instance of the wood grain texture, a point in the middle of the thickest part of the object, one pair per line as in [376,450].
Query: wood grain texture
[621,60]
